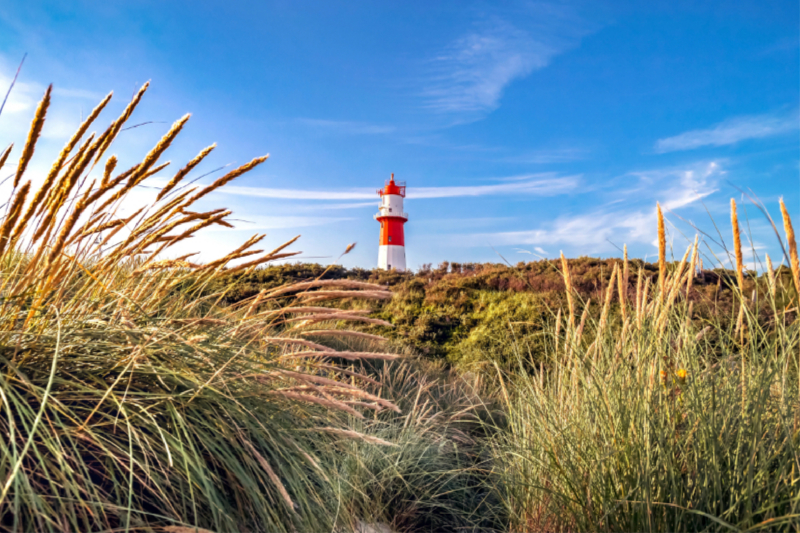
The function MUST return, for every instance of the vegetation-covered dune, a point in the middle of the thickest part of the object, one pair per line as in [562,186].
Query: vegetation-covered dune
[464,313]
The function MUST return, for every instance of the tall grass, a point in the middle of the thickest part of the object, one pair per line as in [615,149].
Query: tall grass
[658,421]
[437,476]
[130,397]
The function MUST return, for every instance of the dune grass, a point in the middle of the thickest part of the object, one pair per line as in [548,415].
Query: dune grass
[131,398]
[649,420]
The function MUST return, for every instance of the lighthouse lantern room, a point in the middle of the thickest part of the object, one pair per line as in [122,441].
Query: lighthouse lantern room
[392,249]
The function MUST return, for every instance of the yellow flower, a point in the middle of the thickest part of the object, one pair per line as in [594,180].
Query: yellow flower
[681,373]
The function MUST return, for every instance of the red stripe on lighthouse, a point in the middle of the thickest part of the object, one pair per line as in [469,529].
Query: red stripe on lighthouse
[392,231]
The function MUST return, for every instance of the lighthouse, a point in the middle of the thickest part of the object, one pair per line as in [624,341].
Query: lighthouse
[392,249]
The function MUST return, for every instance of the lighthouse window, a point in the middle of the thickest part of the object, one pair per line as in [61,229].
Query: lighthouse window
[390,238]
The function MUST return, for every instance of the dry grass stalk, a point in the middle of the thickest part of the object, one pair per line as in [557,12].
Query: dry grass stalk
[672,292]
[346,372]
[73,141]
[737,248]
[568,286]
[270,472]
[33,135]
[111,164]
[185,170]
[238,253]
[328,295]
[284,245]
[794,260]
[135,178]
[51,203]
[5,154]
[359,436]
[770,275]
[558,325]
[662,252]
[330,403]
[160,234]
[339,283]
[344,333]
[607,301]
[160,147]
[328,387]
[313,379]
[310,309]
[645,292]
[792,243]
[639,299]
[260,261]
[339,316]
[692,268]
[116,126]
[339,388]
[298,342]
[12,216]
[624,282]
[582,323]
[350,356]
[622,289]
[228,177]
[183,529]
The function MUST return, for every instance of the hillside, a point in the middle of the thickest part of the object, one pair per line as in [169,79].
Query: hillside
[466,312]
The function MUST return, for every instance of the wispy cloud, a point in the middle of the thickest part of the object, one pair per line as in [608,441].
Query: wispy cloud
[532,184]
[469,76]
[282,222]
[624,222]
[346,127]
[732,131]
[548,186]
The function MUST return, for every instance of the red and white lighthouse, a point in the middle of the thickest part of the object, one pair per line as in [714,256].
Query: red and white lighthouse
[392,249]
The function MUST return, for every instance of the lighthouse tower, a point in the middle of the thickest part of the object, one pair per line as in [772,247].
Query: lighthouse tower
[392,249]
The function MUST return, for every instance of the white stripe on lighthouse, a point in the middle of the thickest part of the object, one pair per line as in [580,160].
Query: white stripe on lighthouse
[390,256]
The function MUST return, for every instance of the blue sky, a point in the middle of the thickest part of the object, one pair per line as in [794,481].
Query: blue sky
[521,128]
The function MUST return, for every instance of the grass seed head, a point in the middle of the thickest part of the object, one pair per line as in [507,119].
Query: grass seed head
[791,241]
[33,135]
[5,154]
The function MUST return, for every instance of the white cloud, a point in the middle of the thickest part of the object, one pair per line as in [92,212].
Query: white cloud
[731,131]
[472,72]
[545,185]
[632,221]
